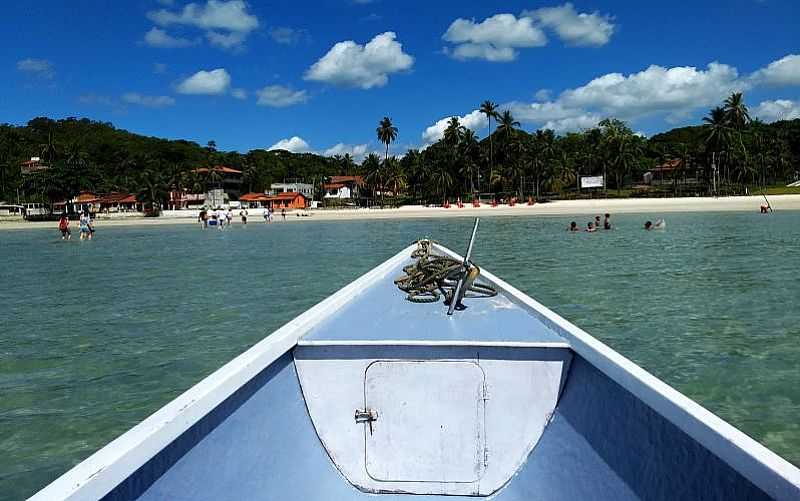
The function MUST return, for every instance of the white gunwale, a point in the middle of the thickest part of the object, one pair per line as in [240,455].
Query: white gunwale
[434,343]
[774,475]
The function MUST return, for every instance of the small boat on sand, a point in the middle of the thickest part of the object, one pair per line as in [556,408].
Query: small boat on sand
[428,378]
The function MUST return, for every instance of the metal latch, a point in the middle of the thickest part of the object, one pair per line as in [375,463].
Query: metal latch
[366,416]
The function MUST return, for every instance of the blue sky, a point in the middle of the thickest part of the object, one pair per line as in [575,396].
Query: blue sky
[319,76]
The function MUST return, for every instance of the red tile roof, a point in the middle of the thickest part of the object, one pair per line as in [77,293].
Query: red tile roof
[253,197]
[359,180]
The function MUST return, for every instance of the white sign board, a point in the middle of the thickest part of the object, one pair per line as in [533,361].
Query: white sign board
[592,182]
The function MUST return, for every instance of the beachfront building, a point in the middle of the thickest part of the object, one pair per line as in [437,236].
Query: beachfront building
[221,177]
[296,187]
[671,171]
[113,202]
[344,187]
[286,200]
[33,166]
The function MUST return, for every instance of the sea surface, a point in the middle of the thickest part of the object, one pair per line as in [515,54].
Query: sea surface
[97,335]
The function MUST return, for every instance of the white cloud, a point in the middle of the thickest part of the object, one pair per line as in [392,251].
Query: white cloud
[575,28]
[39,67]
[656,89]
[295,144]
[675,93]
[226,23]
[239,93]
[784,71]
[287,36]
[365,66]
[780,109]
[159,38]
[474,120]
[225,40]
[543,94]
[148,101]
[206,82]
[279,96]
[573,124]
[494,39]
[215,15]
[357,151]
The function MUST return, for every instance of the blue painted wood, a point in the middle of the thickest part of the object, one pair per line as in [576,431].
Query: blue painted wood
[381,313]
[602,444]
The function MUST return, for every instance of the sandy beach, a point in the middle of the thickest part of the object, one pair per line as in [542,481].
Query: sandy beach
[552,209]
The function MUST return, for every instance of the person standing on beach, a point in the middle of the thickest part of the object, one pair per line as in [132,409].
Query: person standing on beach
[229,216]
[283,214]
[202,218]
[243,215]
[220,218]
[63,227]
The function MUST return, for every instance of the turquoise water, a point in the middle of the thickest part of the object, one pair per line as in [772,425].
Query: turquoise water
[95,336]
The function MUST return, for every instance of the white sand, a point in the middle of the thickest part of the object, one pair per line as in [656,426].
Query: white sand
[558,208]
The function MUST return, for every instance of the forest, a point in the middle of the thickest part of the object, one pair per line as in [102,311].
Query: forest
[728,153]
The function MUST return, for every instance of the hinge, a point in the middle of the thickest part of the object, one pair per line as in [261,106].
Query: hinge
[368,416]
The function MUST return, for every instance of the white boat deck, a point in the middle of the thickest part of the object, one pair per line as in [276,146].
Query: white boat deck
[380,313]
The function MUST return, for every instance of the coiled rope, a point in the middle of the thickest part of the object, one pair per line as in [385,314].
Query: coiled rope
[432,276]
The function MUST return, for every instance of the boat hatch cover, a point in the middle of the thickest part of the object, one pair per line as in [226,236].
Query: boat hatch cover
[426,421]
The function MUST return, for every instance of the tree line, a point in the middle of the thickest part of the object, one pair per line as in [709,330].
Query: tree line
[726,153]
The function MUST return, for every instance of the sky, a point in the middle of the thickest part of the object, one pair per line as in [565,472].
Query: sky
[319,76]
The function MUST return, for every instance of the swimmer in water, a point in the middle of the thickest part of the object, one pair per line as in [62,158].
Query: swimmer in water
[607,222]
[659,225]
[573,226]
[591,227]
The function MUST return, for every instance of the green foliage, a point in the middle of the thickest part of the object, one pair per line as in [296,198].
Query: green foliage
[728,152]
[89,155]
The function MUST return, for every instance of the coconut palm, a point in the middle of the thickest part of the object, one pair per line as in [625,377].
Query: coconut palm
[453,132]
[506,124]
[736,111]
[371,168]
[489,109]
[718,136]
[387,133]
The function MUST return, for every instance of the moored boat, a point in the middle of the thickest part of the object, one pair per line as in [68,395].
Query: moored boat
[384,389]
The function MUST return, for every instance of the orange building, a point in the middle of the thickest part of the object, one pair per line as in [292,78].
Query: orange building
[287,200]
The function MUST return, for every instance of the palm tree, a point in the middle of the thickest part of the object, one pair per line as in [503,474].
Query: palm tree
[48,150]
[372,171]
[387,133]
[718,137]
[453,132]
[395,177]
[489,109]
[469,150]
[736,111]
[152,189]
[507,124]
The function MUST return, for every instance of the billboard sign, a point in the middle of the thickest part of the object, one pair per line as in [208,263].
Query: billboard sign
[591,181]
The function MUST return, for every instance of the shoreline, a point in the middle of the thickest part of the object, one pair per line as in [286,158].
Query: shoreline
[550,209]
